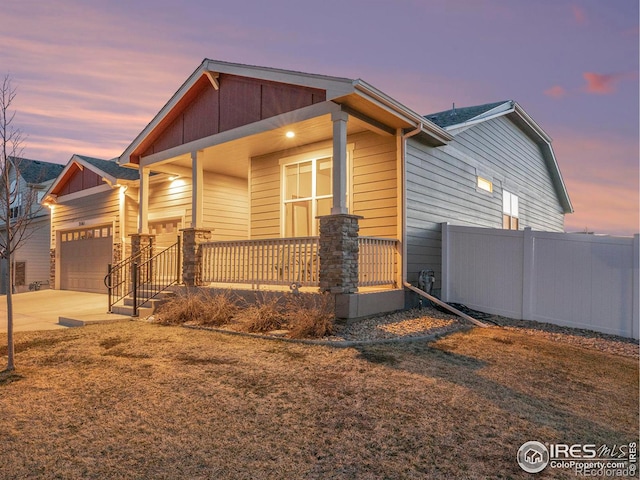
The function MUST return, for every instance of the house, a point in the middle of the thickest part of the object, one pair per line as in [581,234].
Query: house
[92,212]
[30,178]
[283,179]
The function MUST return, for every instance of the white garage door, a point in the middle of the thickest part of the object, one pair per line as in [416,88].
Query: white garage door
[84,258]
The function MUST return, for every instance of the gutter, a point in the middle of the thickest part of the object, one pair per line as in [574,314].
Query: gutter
[422,123]
[405,283]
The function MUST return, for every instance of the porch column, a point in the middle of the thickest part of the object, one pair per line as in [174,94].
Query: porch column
[339,163]
[197,189]
[143,209]
[192,255]
[339,253]
[140,241]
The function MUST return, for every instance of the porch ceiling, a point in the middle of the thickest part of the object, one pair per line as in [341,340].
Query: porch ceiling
[232,157]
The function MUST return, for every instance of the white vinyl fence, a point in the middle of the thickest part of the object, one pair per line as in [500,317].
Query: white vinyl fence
[575,280]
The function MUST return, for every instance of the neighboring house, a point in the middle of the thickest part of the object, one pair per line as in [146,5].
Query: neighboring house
[277,177]
[31,178]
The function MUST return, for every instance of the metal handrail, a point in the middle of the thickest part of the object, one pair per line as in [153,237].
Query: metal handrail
[155,275]
[118,280]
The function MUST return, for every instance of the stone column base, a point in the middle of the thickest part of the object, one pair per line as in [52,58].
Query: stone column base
[192,256]
[339,253]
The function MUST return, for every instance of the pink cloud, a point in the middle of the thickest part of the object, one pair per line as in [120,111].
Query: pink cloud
[600,84]
[606,200]
[555,92]
[579,15]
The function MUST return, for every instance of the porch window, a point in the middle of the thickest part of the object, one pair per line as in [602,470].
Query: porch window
[307,194]
[510,212]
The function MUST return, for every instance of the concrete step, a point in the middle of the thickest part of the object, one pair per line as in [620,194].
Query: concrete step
[162,294]
[91,319]
[128,310]
[153,303]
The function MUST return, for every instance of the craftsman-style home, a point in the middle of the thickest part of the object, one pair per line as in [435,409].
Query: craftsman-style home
[280,179]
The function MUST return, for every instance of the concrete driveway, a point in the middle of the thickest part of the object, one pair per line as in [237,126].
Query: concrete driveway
[40,310]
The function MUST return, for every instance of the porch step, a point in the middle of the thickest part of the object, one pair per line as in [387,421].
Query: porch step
[147,308]
[128,310]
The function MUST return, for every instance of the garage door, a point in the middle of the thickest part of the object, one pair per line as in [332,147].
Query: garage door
[84,258]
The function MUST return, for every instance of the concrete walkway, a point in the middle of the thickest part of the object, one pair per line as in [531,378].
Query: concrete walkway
[41,310]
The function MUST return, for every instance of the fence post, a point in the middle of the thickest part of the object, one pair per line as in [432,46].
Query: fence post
[445,262]
[635,287]
[528,271]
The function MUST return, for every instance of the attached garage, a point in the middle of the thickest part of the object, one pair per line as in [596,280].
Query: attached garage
[84,258]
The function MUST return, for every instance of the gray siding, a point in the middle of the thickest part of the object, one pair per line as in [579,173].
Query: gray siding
[34,252]
[441,187]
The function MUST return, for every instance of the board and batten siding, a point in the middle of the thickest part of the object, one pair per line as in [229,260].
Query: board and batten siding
[225,204]
[441,187]
[373,188]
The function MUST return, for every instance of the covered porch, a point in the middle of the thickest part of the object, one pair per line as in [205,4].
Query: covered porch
[277,179]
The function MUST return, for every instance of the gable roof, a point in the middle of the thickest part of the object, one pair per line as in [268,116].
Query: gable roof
[457,116]
[353,95]
[36,171]
[110,168]
[107,170]
[458,119]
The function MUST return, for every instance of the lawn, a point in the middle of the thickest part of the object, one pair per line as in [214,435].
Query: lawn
[139,400]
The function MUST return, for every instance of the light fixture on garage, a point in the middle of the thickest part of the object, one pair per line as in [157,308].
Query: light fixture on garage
[290,134]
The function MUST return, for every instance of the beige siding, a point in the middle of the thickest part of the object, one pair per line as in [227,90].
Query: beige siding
[373,186]
[169,198]
[76,213]
[265,196]
[226,206]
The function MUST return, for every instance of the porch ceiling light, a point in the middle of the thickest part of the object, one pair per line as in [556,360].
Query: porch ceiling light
[290,134]
[173,177]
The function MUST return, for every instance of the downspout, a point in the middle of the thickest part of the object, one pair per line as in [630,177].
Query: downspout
[422,293]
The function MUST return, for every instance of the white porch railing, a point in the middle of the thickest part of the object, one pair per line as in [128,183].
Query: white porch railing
[377,261]
[276,261]
[283,261]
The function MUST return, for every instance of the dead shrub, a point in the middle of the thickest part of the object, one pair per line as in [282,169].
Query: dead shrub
[202,308]
[310,316]
[264,315]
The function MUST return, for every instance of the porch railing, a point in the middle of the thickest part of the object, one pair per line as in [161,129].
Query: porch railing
[377,258]
[284,261]
[277,261]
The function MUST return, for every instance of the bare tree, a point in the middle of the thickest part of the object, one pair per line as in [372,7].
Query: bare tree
[16,200]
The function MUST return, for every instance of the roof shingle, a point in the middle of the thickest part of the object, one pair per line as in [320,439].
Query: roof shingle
[460,115]
[36,171]
[110,167]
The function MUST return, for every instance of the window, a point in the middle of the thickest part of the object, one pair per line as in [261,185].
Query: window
[484,184]
[509,211]
[307,194]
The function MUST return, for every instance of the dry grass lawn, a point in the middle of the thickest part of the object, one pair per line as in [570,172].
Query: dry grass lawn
[139,400]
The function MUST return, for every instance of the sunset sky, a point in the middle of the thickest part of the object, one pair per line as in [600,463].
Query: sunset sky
[91,74]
